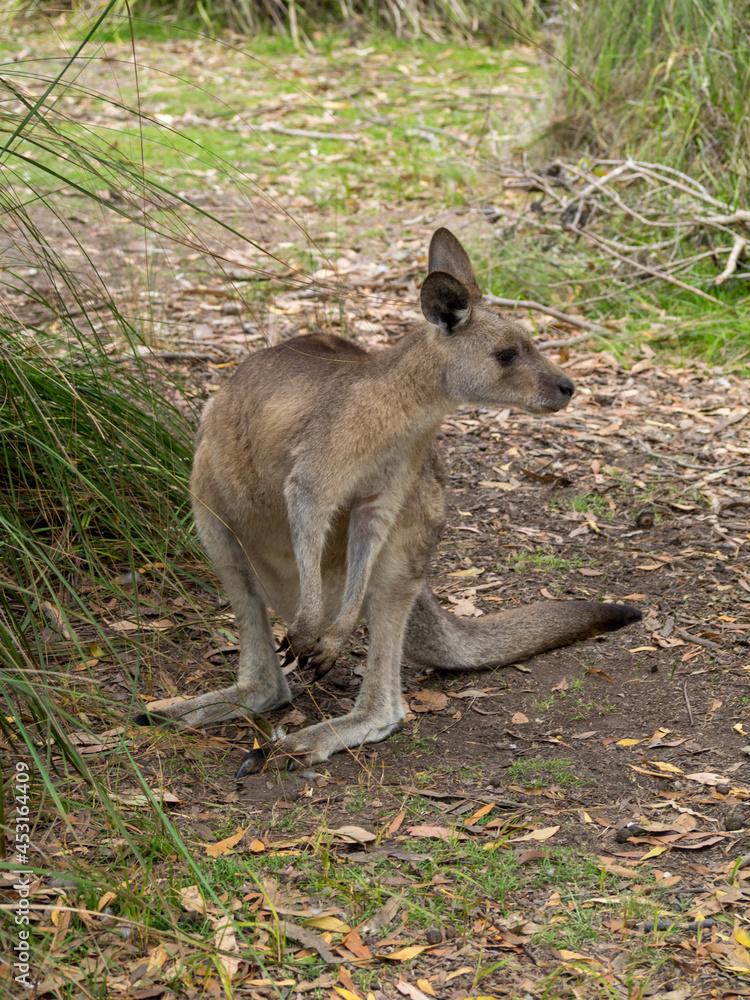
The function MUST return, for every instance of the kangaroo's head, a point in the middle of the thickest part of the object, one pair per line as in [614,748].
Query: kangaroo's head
[488,360]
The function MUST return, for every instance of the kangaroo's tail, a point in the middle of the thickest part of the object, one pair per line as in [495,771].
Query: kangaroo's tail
[436,638]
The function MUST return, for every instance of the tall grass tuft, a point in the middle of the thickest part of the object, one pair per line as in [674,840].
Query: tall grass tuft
[663,80]
[490,20]
[95,450]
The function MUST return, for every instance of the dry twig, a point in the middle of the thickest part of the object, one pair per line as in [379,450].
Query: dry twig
[662,204]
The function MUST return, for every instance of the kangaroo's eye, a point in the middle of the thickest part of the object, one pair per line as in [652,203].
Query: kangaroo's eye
[506,356]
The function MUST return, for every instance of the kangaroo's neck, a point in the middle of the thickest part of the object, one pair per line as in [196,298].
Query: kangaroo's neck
[414,373]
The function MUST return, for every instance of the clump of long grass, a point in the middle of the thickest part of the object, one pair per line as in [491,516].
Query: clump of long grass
[664,81]
[95,451]
[491,20]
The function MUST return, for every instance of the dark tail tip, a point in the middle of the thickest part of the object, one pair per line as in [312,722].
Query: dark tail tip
[614,616]
[630,613]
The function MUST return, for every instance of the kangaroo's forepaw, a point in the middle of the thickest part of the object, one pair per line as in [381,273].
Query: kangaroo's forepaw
[317,654]
[319,662]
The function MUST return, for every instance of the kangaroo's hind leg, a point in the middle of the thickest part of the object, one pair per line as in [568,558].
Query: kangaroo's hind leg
[378,711]
[260,685]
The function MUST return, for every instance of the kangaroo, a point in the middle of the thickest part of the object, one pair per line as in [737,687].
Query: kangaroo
[317,491]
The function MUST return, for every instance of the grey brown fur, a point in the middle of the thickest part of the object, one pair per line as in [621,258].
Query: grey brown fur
[317,492]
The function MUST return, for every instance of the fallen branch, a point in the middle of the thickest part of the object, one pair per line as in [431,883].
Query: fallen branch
[572,320]
[655,272]
[697,639]
[308,134]
[667,207]
[738,250]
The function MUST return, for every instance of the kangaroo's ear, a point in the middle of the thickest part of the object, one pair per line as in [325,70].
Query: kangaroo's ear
[446,301]
[447,254]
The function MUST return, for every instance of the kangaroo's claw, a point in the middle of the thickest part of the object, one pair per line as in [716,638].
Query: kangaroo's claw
[285,647]
[289,657]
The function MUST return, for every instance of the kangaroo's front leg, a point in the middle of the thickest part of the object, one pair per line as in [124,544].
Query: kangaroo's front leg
[309,520]
[370,520]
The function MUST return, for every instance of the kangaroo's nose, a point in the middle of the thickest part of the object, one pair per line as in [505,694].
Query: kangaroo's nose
[566,387]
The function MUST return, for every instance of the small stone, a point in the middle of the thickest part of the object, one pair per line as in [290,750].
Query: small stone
[734,821]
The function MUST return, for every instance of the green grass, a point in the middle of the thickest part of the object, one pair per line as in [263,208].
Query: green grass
[586,503]
[522,262]
[525,562]
[667,85]
[542,773]
[391,158]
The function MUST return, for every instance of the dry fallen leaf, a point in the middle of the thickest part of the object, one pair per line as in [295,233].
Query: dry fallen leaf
[544,834]
[396,823]
[464,608]
[707,778]
[226,845]
[428,701]
[124,626]
[354,834]
[479,814]
[524,857]
[435,833]
[404,954]
[225,939]
[354,943]
[333,924]
[660,765]
[345,993]
[409,990]
[56,620]
[575,956]
[192,900]
[494,484]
